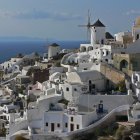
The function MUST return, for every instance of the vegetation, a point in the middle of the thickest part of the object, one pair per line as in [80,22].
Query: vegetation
[63,101]
[72,63]
[107,138]
[20,89]
[20,55]
[19,137]
[2,132]
[110,132]
[121,86]
[106,131]
[59,56]
[118,133]
[30,71]
[57,64]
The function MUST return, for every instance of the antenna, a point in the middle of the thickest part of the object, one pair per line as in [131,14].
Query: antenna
[88,25]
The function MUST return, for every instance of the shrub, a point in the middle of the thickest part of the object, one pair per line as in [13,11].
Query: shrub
[63,101]
[119,133]
[19,137]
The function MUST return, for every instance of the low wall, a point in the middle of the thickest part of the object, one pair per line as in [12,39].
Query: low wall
[109,101]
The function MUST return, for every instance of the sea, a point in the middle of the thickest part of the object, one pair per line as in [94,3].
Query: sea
[10,49]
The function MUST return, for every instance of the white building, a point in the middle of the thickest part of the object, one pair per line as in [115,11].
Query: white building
[134,113]
[84,82]
[136,83]
[11,65]
[72,119]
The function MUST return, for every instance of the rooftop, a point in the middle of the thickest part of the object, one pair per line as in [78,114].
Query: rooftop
[98,23]
[108,36]
[54,45]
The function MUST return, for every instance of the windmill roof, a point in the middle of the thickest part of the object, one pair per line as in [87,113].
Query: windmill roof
[54,45]
[98,23]
[108,36]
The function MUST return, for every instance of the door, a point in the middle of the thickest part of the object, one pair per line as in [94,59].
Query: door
[71,127]
[52,126]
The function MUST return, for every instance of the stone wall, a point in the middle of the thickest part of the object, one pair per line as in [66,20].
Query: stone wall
[112,74]
[133,60]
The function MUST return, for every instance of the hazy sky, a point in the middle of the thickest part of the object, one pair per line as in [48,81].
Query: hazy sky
[59,19]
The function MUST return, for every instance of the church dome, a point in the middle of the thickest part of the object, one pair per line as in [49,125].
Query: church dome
[137,21]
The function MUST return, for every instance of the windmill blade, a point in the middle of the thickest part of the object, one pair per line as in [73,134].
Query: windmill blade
[88,26]
[82,25]
[88,34]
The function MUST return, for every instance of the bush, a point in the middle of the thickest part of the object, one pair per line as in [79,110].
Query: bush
[19,137]
[119,133]
[107,138]
[121,86]
[63,101]
[106,131]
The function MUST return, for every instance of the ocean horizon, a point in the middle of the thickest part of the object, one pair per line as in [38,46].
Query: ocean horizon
[10,49]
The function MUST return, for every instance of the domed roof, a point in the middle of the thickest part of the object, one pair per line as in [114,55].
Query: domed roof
[137,22]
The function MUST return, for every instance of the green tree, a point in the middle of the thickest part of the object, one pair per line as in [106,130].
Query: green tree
[121,86]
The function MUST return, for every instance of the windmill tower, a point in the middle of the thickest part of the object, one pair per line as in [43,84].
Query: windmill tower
[97,33]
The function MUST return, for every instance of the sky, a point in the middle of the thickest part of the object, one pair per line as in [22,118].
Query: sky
[59,19]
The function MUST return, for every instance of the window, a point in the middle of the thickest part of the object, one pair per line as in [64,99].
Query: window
[46,123]
[136,78]
[66,124]
[102,41]
[71,119]
[137,36]
[93,86]
[67,89]
[106,60]
[77,126]
[58,125]
[107,52]
[90,82]
[75,89]
[85,68]
[3,125]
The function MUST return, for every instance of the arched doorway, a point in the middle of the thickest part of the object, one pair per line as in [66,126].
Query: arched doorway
[90,48]
[123,65]
[82,48]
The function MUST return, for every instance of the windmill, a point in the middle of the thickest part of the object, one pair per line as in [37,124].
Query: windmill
[88,25]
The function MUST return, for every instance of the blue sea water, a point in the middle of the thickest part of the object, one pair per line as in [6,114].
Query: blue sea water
[10,49]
